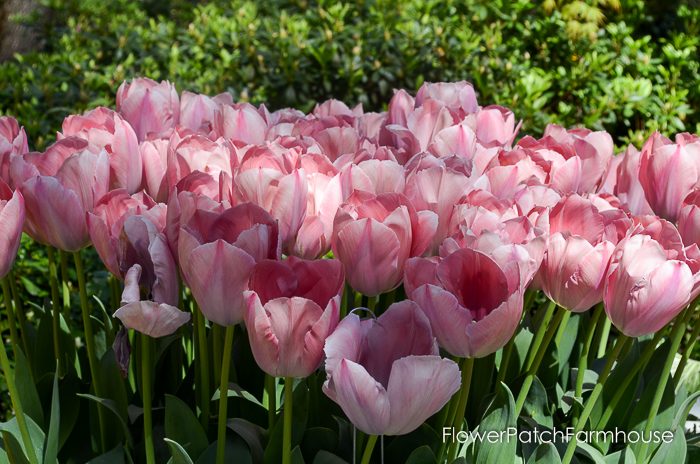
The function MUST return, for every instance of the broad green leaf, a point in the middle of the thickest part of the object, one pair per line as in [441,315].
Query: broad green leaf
[324,457]
[252,434]
[111,406]
[236,452]
[110,457]
[672,452]
[234,391]
[546,453]
[182,427]
[273,451]
[421,455]
[52,439]
[625,456]
[178,453]
[537,405]
[26,388]
[36,435]
[499,417]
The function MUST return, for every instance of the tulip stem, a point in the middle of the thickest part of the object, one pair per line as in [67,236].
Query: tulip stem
[56,319]
[14,398]
[271,388]
[592,400]
[64,283]
[583,358]
[287,431]
[367,455]
[14,338]
[627,379]
[203,357]
[146,371]
[688,350]
[90,342]
[467,370]
[223,395]
[604,335]
[539,350]
[676,337]
[19,312]
[539,335]
[505,359]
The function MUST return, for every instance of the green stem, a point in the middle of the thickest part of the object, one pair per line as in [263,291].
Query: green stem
[676,338]
[14,338]
[203,357]
[287,431]
[590,403]
[64,284]
[562,327]
[642,361]
[583,358]
[271,387]
[695,334]
[540,351]
[217,339]
[19,312]
[364,301]
[467,370]
[223,396]
[367,455]
[372,303]
[56,319]
[146,372]
[505,359]
[90,342]
[604,335]
[539,335]
[16,403]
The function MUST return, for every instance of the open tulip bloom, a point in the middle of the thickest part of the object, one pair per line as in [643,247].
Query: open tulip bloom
[281,286]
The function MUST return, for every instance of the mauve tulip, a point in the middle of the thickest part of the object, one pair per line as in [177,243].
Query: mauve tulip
[217,252]
[386,373]
[644,289]
[689,218]
[13,142]
[11,223]
[293,305]
[374,235]
[105,129]
[147,317]
[474,305]
[152,108]
[669,171]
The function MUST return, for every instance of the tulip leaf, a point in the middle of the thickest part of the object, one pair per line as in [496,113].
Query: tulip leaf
[402,446]
[111,406]
[178,453]
[236,451]
[114,455]
[324,457]
[52,438]
[36,435]
[421,455]
[113,387]
[235,391]
[673,451]
[536,404]
[26,388]
[252,434]
[683,410]
[499,418]
[546,453]
[15,452]
[624,456]
[590,452]
[317,439]
[183,428]
[273,451]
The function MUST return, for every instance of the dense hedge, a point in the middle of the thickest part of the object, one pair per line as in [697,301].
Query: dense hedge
[293,53]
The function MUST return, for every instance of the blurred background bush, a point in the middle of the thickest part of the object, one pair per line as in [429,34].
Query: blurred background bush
[627,66]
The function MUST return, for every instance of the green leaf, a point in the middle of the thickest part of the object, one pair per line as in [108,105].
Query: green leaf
[673,452]
[273,451]
[26,388]
[252,434]
[36,435]
[52,439]
[537,405]
[324,457]
[111,406]
[234,391]
[182,427]
[421,455]
[499,417]
[110,457]
[546,453]
[236,451]
[625,456]
[178,453]
[14,450]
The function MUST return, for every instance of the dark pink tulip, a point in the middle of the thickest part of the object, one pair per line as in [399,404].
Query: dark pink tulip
[13,142]
[152,108]
[147,317]
[105,129]
[57,205]
[669,171]
[374,235]
[217,253]
[292,307]
[386,373]
[644,289]
[243,123]
[474,305]
[106,222]
[11,223]
[689,218]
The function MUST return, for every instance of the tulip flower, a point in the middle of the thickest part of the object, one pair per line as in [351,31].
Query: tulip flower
[152,108]
[11,222]
[105,129]
[203,114]
[669,171]
[474,305]
[644,289]
[154,154]
[243,123]
[217,253]
[293,305]
[13,142]
[386,373]
[373,237]
[457,96]
[689,218]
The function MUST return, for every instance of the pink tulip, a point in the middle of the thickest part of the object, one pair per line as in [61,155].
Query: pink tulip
[11,222]
[105,129]
[243,123]
[373,236]
[457,96]
[217,253]
[689,218]
[474,305]
[203,114]
[669,171]
[198,153]
[154,154]
[386,373]
[147,317]
[495,126]
[628,188]
[13,142]
[644,289]
[152,108]
[291,309]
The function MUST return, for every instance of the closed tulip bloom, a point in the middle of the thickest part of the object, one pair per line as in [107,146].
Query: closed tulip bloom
[386,373]
[473,304]
[11,223]
[628,188]
[217,253]
[459,97]
[374,235]
[105,129]
[644,289]
[291,308]
[689,218]
[13,142]
[152,108]
[146,316]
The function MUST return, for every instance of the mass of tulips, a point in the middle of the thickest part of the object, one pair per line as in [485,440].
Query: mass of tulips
[345,286]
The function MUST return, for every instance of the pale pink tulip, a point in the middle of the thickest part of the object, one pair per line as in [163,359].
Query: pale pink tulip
[628,188]
[11,223]
[13,142]
[152,108]
[386,373]
[689,218]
